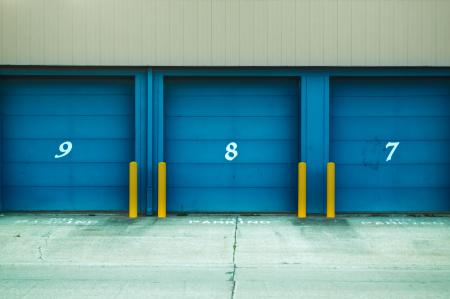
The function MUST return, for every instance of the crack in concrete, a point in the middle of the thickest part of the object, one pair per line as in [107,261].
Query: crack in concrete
[40,251]
[233,290]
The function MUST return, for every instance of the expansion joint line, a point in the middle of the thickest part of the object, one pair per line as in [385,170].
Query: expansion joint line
[234,258]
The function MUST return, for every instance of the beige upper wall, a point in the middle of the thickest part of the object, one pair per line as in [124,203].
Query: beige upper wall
[225,32]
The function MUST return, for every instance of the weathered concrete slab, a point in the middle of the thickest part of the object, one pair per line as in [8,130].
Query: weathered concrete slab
[298,282]
[110,256]
[347,242]
[113,240]
[91,281]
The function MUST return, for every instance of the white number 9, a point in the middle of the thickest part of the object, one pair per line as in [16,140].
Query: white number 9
[65,148]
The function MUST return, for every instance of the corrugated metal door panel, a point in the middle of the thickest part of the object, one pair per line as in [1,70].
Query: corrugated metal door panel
[38,115]
[367,114]
[203,115]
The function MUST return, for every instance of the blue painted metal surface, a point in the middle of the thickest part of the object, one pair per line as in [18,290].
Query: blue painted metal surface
[141,129]
[367,113]
[203,115]
[149,143]
[147,153]
[314,127]
[38,114]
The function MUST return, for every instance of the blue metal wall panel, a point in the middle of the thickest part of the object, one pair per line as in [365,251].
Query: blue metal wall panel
[203,115]
[148,153]
[38,114]
[141,127]
[367,113]
[315,137]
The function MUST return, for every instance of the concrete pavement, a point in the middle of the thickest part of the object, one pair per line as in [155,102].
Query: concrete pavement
[110,256]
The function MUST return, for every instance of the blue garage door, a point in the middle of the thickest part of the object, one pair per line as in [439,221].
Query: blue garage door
[391,144]
[231,144]
[66,143]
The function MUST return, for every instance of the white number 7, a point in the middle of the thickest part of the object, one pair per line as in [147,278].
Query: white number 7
[394,147]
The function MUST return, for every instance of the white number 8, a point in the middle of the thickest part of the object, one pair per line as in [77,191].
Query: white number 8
[232,152]
[65,148]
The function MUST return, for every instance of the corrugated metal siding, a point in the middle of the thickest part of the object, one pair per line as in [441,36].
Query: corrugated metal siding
[368,113]
[225,32]
[203,116]
[39,114]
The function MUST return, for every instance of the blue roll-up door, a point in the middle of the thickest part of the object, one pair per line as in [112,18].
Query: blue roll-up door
[390,139]
[205,115]
[66,143]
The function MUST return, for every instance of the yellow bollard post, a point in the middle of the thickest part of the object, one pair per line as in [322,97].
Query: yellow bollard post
[133,197]
[162,190]
[301,190]
[331,187]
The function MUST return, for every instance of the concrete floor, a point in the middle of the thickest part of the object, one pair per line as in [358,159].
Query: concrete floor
[110,256]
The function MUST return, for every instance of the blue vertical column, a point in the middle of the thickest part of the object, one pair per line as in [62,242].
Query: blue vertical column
[315,137]
[158,135]
[141,137]
[1,147]
[149,166]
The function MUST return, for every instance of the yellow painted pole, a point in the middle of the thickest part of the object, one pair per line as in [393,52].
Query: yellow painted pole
[301,190]
[133,197]
[331,189]
[162,189]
